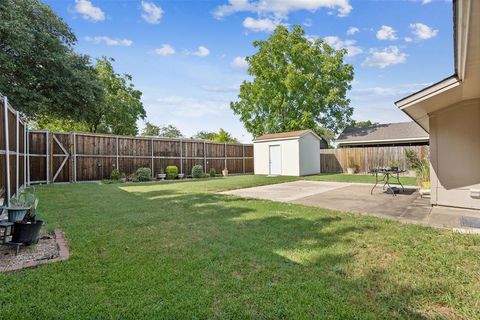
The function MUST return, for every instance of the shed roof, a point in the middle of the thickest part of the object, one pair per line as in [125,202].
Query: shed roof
[385,133]
[285,135]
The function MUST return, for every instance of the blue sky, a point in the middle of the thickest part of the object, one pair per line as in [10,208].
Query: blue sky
[187,56]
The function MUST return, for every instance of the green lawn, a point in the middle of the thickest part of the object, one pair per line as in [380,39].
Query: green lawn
[179,251]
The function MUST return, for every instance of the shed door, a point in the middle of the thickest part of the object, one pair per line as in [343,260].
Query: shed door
[275,160]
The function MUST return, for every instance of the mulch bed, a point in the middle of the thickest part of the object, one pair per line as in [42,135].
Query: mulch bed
[50,248]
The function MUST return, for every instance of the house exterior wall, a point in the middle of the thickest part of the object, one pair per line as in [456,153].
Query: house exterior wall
[455,155]
[289,150]
[309,150]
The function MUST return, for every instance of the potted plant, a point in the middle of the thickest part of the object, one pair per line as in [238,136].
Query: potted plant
[27,231]
[351,166]
[17,208]
[162,175]
[225,172]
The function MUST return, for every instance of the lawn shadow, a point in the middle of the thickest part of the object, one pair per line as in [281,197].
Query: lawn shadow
[244,237]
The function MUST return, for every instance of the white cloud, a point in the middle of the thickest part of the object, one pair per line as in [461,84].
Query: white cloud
[308,22]
[258,25]
[352,30]
[337,44]
[408,39]
[426,1]
[109,41]
[151,12]
[384,58]
[239,63]
[165,50]
[281,8]
[422,31]
[201,52]
[89,11]
[386,33]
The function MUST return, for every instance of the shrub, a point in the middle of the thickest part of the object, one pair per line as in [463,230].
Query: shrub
[172,172]
[115,175]
[197,171]
[143,174]
[213,173]
[421,165]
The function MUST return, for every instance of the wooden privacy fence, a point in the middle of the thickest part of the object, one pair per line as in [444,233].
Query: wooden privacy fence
[39,156]
[13,162]
[64,157]
[337,160]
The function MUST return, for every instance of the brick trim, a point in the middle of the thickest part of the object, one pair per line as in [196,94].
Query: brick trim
[63,254]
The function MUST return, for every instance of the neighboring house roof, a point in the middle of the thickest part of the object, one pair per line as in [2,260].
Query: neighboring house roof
[285,135]
[383,134]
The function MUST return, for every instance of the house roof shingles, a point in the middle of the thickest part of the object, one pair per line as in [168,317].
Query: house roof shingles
[383,132]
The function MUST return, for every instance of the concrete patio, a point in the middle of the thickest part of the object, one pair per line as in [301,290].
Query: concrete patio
[356,198]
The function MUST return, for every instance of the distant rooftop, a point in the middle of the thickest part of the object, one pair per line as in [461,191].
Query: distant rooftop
[283,135]
[383,134]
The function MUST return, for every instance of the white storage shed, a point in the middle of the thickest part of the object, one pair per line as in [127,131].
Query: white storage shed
[295,153]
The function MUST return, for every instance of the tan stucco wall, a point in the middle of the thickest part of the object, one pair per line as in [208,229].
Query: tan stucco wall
[455,154]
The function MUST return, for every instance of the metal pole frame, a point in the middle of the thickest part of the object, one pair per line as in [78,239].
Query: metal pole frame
[7,150]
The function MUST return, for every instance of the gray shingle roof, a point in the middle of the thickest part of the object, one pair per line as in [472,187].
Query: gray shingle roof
[383,132]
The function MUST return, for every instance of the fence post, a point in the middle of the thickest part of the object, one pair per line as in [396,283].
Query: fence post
[47,147]
[243,157]
[116,153]
[181,156]
[74,157]
[225,154]
[24,155]
[204,157]
[17,150]
[7,150]
[153,174]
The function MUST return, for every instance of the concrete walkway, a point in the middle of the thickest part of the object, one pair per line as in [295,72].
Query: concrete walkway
[355,197]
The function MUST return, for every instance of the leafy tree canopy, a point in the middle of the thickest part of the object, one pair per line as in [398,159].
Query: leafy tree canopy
[169,131]
[121,106]
[362,124]
[40,72]
[297,84]
[220,136]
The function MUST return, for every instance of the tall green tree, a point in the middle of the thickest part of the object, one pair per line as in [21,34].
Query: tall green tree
[297,84]
[39,71]
[362,124]
[220,136]
[121,106]
[168,131]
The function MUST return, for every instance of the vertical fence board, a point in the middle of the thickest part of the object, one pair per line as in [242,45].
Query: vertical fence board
[364,159]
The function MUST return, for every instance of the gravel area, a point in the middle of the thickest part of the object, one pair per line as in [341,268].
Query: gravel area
[46,248]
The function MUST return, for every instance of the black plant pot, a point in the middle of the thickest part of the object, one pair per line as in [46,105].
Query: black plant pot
[27,233]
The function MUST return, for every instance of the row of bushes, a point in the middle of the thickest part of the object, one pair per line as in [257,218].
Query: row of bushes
[145,174]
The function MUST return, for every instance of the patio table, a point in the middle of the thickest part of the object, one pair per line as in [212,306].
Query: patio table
[389,176]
